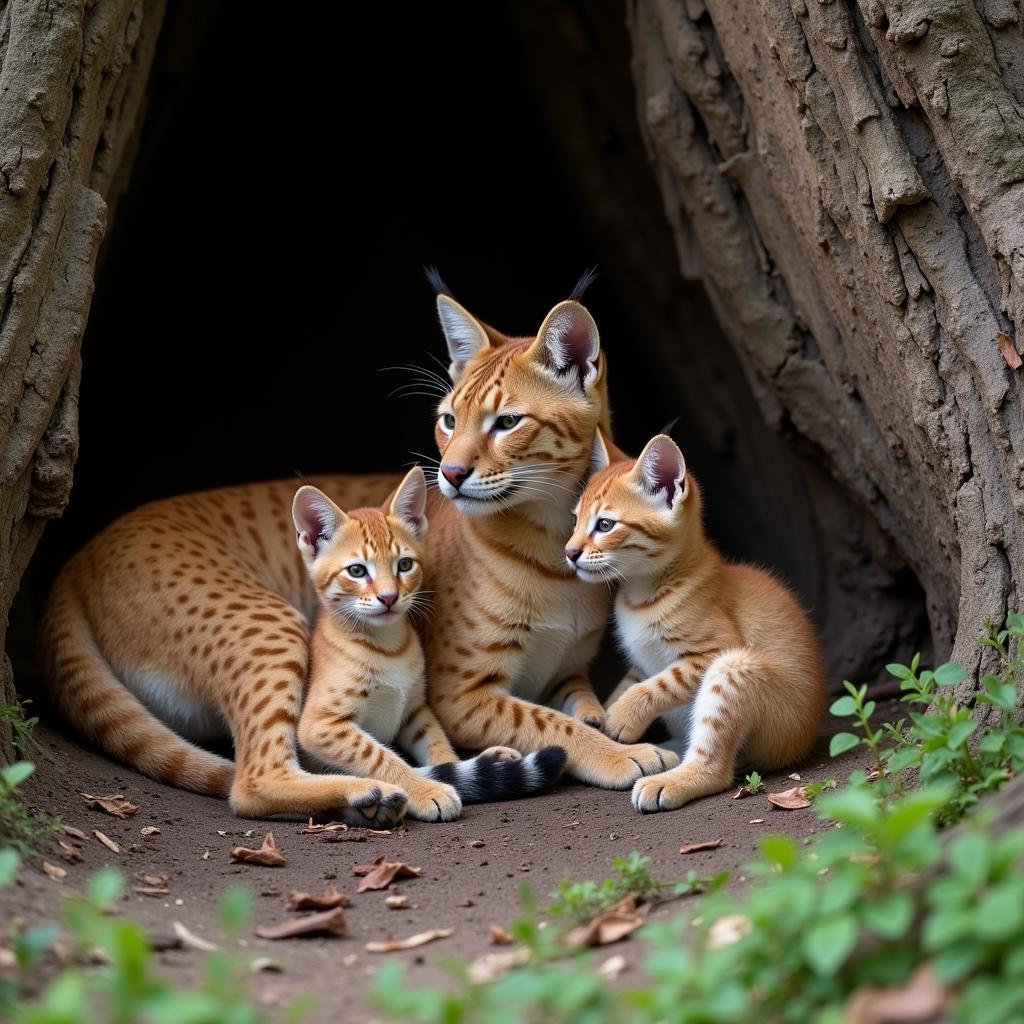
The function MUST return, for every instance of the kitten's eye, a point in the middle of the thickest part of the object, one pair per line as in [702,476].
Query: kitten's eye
[404,564]
[356,571]
[604,525]
[508,421]
[448,419]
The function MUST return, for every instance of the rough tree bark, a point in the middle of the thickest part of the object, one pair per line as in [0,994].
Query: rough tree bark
[72,84]
[847,181]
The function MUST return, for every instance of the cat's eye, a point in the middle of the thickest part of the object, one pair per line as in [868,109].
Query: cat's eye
[448,419]
[404,564]
[604,525]
[508,421]
[356,571]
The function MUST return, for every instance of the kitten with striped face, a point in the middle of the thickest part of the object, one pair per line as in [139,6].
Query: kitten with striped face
[722,653]
[367,686]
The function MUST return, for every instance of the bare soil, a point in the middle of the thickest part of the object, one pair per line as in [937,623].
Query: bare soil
[472,868]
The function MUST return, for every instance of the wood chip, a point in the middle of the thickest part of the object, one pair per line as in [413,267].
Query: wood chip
[1008,350]
[492,966]
[334,826]
[149,830]
[192,941]
[790,799]
[476,843]
[710,844]
[150,890]
[382,872]
[106,841]
[757,821]
[742,792]
[75,833]
[112,803]
[268,855]
[465,903]
[499,936]
[304,901]
[264,963]
[396,902]
[70,853]
[727,929]
[795,777]
[327,922]
[56,873]
[148,879]
[395,945]
[612,967]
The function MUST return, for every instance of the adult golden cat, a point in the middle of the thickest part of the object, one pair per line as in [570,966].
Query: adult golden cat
[366,681]
[723,653]
[206,593]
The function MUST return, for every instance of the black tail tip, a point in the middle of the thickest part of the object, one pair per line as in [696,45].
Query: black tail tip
[588,278]
[436,281]
[551,762]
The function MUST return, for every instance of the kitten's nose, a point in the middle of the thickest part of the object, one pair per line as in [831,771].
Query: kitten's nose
[455,475]
[573,554]
[387,599]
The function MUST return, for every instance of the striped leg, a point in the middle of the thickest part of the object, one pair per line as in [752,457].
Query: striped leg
[634,712]
[575,696]
[724,711]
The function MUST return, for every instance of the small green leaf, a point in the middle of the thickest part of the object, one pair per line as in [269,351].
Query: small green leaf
[992,743]
[780,850]
[827,945]
[9,864]
[889,917]
[950,674]
[969,856]
[843,707]
[899,671]
[842,742]
[15,774]
[903,759]
[857,807]
[959,733]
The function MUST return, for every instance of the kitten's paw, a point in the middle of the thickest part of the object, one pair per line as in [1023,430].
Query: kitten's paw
[623,723]
[669,790]
[379,805]
[621,767]
[594,717]
[501,754]
[434,801]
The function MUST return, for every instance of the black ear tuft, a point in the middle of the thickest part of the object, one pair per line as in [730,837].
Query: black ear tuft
[588,278]
[437,282]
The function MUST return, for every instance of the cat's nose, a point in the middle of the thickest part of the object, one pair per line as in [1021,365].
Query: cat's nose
[387,599]
[455,475]
[573,554]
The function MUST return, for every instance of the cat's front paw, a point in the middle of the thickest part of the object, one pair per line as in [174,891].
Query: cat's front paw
[379,805]
[501,754]
[433,801]
[625,721]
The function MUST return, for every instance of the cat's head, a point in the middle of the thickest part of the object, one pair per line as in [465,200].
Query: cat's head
[366,565]
[633,514]
[517,423]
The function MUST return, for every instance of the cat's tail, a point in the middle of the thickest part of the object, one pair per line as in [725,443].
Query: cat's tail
[486,778]
[89,695]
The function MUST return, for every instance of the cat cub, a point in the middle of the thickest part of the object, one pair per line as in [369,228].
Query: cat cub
[722,653]
[366,685]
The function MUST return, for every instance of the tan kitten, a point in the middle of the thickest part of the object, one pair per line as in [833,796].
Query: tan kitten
[367,685]
[724,654]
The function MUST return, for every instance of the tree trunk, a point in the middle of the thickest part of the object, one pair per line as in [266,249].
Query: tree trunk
[846,180]
[72,83]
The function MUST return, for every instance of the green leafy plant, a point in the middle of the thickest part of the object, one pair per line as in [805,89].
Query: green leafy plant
[20,830]
[20,725]
[754,783]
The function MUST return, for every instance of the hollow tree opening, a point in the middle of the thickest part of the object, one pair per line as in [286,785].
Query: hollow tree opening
[265,264]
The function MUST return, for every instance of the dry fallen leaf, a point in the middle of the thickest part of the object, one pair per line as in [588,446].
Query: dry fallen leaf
[465,903]
[710,844]
[395,945]
[615,924]
[396,902]
[328,922]
[728,929]
[268,854]
[149,830]
[382,872]
[919,1000]
[159,881]
[790,799]
[757,821]
[56,873]
[150,890]
[106,841]
[500,937]
[70,853]
[795,777]
[75,833]
[264,963]
[1008,350]
[334,826]
[206,854]
[193,941]
[330,899]
[112,803]
[612,967]
[476,843]
[492,966]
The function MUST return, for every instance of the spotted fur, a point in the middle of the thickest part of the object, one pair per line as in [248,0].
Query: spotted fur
[722,653]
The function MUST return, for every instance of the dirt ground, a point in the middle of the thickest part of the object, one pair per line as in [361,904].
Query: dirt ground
[472,868]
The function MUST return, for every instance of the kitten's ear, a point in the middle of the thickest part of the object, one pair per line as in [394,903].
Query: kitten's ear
[599,457]
[464,334]
[568,344]
[661,471]
[410,501]
[317,519]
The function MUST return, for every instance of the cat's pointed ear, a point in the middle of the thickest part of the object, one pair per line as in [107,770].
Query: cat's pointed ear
[410,501]
[464,334]
[569,345]
[599,457]
[660,471]
[317,519]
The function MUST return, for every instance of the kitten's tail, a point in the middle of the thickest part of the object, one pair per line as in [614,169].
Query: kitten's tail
[485,778]
[91,697]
